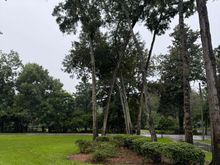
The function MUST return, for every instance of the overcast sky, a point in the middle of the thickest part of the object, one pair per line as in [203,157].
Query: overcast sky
[29,28]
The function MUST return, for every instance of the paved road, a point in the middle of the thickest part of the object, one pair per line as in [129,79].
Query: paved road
[178,137]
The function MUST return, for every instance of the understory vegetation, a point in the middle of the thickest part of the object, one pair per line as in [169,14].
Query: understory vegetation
[163,151]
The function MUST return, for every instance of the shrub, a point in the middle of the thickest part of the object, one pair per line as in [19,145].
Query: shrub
[125,140]
[183,153]
[137,144]
[85,146]
[177,153]
[102,151]
[151,151]
[103,139]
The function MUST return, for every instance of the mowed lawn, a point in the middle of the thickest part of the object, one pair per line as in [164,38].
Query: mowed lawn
[25,149]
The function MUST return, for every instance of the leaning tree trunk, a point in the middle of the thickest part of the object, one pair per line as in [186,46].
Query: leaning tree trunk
[185,69]
[134,21]
[127,111]
[210,66]
[94,110]
[125,108]
[144,75]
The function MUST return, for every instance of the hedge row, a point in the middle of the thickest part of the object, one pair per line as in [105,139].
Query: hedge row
[171,153]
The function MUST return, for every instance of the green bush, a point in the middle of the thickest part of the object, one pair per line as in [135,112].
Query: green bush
[125,140]
[137,144]
[183,153]
[177,153]
[85,146]
[151,151]
[103,151]
[103,139]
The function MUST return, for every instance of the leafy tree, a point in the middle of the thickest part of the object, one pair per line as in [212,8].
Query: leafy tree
[68,14]
[82,102]
[10,64]
[33,86]
[171,102]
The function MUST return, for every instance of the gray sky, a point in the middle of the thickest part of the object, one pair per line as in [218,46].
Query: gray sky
[30,29]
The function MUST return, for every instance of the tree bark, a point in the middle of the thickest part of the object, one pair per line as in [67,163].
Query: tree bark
[202,117]
[185,69]
[141,102]
[94,110]
[123,108]
[210,66]
[127,111]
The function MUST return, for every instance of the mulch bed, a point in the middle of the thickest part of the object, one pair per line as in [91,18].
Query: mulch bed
[124,156]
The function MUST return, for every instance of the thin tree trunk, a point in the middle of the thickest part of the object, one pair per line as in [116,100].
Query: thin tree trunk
[127,111]
[123,108]
[202,118]
[210,66]
[144,74]
[185,69]
[141,102]
[94,110]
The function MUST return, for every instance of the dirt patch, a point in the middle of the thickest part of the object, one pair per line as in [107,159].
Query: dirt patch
[124,156]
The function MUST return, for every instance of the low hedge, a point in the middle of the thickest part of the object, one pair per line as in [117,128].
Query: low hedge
[173,153]
[103,151]
[100,150]
[85,146]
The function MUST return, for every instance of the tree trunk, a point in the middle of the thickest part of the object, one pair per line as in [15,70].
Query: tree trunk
[123,108]
[141,102]
[185,69]
[202,117]
[127,111]
[94,110]
[210,66]
[106,112]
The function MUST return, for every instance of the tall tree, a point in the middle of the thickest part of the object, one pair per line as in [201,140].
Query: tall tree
[10,64]
[185,69]
[68,14]
[170,69]
[210,66]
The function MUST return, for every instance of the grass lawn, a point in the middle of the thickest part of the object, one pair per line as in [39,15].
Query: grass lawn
[27,149]
[38,149]
[205,141]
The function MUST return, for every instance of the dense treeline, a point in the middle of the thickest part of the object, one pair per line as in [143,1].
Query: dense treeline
[31,100]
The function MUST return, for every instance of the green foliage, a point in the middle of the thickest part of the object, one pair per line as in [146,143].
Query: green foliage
[183,153]
[103,139]
[103,151]
[85,146]
[100,150]
[170,68]
[179,153]
[166,124]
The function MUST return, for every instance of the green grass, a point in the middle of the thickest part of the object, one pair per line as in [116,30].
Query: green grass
[205,141]
[208,156]
[38,149]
